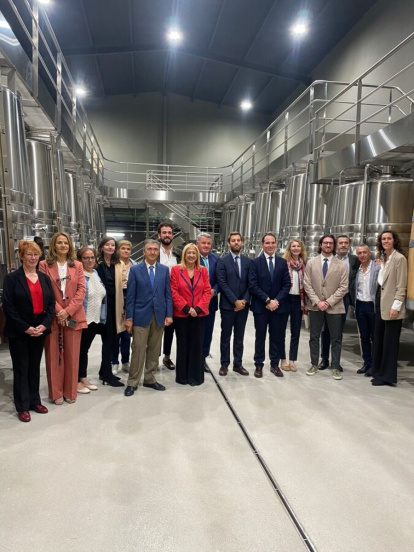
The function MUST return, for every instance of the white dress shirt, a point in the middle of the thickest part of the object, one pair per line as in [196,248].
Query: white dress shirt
[364,279]
[396,304]
[167,259]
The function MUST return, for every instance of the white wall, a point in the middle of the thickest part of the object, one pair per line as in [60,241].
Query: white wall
[198,133]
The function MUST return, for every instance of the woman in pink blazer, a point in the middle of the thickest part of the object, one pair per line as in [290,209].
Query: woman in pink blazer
[63,344]
[191,292]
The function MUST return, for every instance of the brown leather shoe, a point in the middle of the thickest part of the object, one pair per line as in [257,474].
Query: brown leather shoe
[258,373]
[168,363]
[276,371]
[223,371]
[24,416]
[40,409]
[240,370]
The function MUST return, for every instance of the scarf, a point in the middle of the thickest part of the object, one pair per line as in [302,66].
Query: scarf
[299,267]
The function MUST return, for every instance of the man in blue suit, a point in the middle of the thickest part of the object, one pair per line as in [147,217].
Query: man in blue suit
[209,260]
[269,285]
[148,310]
[232,277]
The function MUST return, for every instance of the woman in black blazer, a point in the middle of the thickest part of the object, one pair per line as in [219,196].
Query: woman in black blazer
[29,306]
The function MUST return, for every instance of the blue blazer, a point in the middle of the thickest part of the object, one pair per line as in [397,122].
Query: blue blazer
[232,285]
[142,301]
[212,264]
[261,286]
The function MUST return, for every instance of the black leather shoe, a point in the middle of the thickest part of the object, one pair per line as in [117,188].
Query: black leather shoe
[363,369]
[206,368]
[129,390]
[368,373]
[168,363]
[276,371]
[324,364]
[240,370]
[113,382]
[380,382]
[157,386]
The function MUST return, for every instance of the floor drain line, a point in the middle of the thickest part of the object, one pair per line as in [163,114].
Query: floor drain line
[273,482]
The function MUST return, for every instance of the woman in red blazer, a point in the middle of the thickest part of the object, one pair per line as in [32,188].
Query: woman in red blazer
[63,344]
[191,292]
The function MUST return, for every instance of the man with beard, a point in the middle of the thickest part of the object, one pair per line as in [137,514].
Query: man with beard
[169,259]
[209,260]
[232,277]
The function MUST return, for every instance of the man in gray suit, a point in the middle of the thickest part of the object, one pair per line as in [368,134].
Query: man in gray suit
[326,283]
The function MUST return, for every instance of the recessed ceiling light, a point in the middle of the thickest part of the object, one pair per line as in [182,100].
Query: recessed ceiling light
[299,29]
[246,105]
[80,92]
[174,36]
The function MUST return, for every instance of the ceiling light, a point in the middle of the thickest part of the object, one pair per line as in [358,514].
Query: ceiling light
[299,29]
[246,105]
[116,234]
[174,36]
[44,1]
[80,92]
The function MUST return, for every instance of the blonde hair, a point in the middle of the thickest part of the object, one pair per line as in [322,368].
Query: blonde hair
[124,242]
[186,248]
[288,255]
[51,254]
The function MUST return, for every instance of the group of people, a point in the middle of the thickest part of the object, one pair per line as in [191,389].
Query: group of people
[62,302]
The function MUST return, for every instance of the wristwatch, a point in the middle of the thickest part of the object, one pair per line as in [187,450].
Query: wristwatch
[268,301]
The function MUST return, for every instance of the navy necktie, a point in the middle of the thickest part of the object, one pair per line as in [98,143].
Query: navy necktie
[271,267]
[325,267]
[152,276]
[236,262]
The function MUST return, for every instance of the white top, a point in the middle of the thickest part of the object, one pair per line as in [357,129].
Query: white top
[294,290]
[63,269]
[396,304]
[363,290]
[273,259]
[96,293]
[148,267]
[167,258]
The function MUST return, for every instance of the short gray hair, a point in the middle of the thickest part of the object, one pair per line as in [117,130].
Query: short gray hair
[362,245]
[149,240]
[204,235]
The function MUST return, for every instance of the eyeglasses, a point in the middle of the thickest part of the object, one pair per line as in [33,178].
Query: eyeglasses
[88,258]
[327,243]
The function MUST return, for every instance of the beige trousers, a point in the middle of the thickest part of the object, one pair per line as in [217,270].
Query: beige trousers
[146,348]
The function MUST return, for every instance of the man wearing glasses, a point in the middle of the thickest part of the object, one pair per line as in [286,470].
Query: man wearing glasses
[326,284]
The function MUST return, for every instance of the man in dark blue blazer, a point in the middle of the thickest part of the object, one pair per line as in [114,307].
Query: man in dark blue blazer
[269,285]
[232,273]
[209,260]
[148,310]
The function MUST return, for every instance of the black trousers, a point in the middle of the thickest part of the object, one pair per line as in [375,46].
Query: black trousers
[365,315]
[232,322]
[295,313]
[317,320]
[189,364]
[109,334]
[168,339]
[208,332]
[87,337]
[386,345]
[26,354]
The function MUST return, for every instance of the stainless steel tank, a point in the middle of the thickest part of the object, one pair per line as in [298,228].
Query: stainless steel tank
[316,207]
[44,193]
[100,212]
[292,218]
[269,205]
[73,206]
[390,205]
[247,222]
[16,164]
[277,198]
[63,197]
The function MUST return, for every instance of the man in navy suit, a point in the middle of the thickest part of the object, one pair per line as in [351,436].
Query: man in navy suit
[148,310]
[269,285]
[209,260]
[232,277]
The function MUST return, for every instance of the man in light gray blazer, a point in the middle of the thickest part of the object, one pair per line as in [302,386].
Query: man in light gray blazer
[362,291]
[326,283]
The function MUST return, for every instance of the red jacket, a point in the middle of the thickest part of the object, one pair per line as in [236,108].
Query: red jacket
[185,294]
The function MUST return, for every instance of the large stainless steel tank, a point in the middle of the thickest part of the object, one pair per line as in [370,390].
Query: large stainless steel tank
[315,216]
[247,221]
[277,198]
[74,206]
[292,219]
[100,216]
[44,193]
[390,205]
[63,197]
[17,166]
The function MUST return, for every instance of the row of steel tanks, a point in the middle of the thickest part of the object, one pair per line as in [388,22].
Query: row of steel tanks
[297,208]
[40,195]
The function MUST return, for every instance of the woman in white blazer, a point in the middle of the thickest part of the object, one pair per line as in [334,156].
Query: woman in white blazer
[389,308]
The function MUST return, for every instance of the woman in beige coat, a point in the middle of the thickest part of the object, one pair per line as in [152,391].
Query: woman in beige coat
[113,275]
[389,308]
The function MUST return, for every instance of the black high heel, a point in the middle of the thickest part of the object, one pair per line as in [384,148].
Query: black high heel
[116,377]
[113,382]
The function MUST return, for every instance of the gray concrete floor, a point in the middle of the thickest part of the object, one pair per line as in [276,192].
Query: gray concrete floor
[172,471]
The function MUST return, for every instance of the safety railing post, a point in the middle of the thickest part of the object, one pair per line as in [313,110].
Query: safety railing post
[358,123]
